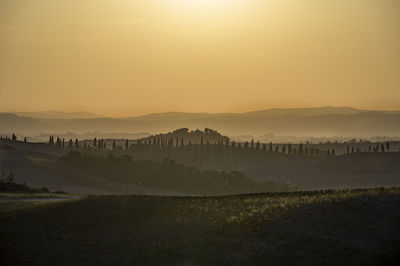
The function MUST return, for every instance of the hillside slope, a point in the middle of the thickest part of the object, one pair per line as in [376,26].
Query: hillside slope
[359,227]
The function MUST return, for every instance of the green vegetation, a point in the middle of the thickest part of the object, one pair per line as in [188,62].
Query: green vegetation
[7,184]
[357,227]
[168,175]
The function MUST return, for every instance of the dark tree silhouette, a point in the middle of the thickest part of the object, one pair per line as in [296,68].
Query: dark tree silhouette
[76,144]
[301,149]
[70,144]
[51,140]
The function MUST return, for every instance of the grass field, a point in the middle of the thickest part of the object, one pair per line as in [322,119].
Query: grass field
[356,227]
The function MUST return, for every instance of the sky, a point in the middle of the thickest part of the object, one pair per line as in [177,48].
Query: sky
[131,57]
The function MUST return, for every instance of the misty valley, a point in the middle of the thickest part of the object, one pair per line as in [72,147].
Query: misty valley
[194,188]
[199,132]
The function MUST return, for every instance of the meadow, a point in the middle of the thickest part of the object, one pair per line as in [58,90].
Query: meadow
[347,227]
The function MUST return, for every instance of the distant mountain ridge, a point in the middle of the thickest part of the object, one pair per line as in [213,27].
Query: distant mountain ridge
[318,121]
[58,115]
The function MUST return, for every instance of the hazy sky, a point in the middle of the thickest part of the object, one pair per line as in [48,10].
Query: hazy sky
[126,57]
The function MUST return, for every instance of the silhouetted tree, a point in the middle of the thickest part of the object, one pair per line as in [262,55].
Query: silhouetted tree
[58,142]
[126,144]
[70,144]
[94,142]
[387,146]
[25,139]
[270,147]
[301,149]
[290,148]
[76,144]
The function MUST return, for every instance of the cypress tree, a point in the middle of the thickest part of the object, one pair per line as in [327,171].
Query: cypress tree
[70,144]
[114,145]
[58,142]
[76,144]
[270,146]
[301,148]
[126,144]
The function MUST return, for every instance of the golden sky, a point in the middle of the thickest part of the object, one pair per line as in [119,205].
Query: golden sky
[128,57]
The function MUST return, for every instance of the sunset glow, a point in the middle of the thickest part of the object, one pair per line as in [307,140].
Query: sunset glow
[135,57]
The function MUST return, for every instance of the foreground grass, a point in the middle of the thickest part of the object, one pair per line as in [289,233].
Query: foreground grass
[358,227]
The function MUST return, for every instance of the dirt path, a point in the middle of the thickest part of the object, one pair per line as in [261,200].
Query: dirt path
[16,198]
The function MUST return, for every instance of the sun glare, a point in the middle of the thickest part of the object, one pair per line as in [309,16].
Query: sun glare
[202,5]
